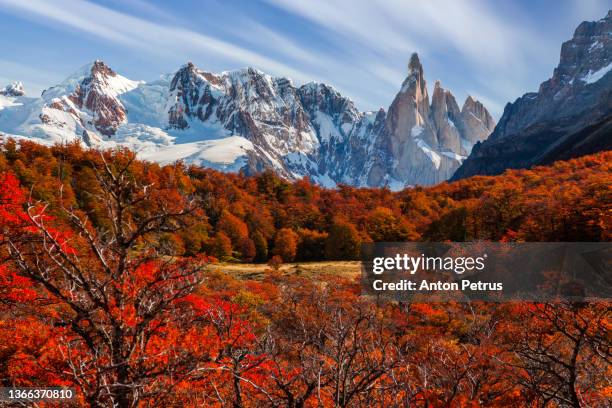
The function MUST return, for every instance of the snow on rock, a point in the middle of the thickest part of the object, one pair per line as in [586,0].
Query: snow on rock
[324,180]
[431,153]
[12,95]
[417,131]
[454,156]
[594,76]
[326,128]
[395,185]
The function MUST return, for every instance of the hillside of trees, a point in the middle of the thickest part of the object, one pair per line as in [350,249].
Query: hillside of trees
[254,218]
[106,286]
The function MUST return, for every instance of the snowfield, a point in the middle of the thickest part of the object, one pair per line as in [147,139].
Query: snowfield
[226,154]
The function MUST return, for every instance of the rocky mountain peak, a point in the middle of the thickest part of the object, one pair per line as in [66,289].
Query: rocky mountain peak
[411,105]
[98,92]
[478,119]
[13,89]
[415,81]
[414,65]
[190,89]
[568,116]
[447,121]
[186,76]
[100,68]
[581,80]
[474,106]
[325,98]
[422,143]
[252,85]
[439,99]
[583,58]
[90,98]
[440,95]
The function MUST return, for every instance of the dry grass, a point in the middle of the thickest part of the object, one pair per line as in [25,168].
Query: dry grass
[348,269]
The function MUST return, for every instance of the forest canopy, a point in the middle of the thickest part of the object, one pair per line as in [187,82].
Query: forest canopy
[252,219]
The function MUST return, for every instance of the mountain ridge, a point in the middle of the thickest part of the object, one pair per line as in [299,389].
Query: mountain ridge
[566,118]
[266,122]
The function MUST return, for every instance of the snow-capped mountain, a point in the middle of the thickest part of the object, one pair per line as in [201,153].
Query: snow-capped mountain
[83,107]
[12,95]
[12,90]
[569,116]
[248,120]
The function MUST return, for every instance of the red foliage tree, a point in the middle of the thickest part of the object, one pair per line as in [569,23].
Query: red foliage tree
[117,316]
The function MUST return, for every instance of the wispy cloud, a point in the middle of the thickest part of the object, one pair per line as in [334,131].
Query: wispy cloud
[143,35]
[468,27]
[257,34]
[292,59]
[146,8]
[362,21]
[470,32]
[334,69]
[494,50]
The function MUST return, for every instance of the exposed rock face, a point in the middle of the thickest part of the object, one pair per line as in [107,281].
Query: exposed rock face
[422,143]
[565,118]
[90,99]
[13,89]
[335,120]
[95,93]
[250,121]
[479,122]
[410,108]
[445,114]
[266,111]
[193,97]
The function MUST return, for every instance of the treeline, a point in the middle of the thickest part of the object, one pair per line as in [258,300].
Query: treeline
[252,219]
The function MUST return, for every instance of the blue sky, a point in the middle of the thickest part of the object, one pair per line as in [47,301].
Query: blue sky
[492,50]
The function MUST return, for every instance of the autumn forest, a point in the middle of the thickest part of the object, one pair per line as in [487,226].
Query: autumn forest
[110,285]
